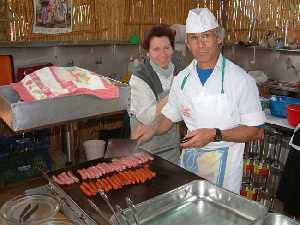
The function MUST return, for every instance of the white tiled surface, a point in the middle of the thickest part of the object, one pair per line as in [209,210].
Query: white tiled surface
[278,121]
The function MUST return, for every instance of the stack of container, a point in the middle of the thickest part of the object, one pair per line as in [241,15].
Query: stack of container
[264,162]
[22,156]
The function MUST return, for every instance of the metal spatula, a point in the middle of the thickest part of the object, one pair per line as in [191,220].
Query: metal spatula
[121,148]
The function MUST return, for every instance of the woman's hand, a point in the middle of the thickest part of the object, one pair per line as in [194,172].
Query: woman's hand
[161,104]
[142,133]
[199,138]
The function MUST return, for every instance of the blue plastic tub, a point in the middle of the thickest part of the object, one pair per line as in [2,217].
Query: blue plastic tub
[278,105]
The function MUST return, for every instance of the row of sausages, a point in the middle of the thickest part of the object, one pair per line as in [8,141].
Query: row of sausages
[101,169]
[116,165]
[118,180]
[65,178]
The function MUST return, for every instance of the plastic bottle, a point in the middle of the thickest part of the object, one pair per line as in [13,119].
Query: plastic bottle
[132,66]
[127,75]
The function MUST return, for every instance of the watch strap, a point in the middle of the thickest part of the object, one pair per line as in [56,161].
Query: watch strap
[218,136]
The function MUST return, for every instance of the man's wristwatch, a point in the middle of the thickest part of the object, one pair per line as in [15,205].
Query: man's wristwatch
[218,136]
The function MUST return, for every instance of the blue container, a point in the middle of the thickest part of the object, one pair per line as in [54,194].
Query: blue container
[278,105]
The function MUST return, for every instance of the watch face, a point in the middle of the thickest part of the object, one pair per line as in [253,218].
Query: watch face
[218,136]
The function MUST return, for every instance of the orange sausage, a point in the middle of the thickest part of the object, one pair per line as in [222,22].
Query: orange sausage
[125,178]
[137,179]
[87,186]
[118,180]
[107,183]
[132,181]
[152,173]
[85,190]
[143,174]
[138,175]
[93,186]
[113,184]
[99,185]
[146,174]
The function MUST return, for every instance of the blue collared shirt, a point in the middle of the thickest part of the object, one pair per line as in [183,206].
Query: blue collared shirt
[203,74]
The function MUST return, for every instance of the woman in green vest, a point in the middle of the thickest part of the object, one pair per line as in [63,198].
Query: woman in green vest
[150,86]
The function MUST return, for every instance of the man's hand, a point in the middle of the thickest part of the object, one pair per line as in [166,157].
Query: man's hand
[143,133]
[199,138]
[240,134]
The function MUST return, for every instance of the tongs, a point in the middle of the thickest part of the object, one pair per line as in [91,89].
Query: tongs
[133,210]
[94,206]
[105,198]
[122,214]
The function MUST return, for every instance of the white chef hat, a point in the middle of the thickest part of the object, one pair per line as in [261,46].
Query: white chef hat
[200,20]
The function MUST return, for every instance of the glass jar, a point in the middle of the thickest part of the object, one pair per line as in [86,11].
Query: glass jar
[29,209]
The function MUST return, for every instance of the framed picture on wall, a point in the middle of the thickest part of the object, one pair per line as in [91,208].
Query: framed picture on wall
[52,16]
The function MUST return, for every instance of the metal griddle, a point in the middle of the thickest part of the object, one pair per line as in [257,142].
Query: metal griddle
[168,177]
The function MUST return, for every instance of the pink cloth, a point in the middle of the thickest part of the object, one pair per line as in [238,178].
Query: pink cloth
[51,82]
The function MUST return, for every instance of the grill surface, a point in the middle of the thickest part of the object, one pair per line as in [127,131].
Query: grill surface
[168,177]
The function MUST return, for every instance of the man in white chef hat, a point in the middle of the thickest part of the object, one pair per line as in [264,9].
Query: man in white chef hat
[219,103]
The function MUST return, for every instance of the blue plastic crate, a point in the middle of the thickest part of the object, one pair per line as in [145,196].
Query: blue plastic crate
[30,140]
[20,165]
[20,157]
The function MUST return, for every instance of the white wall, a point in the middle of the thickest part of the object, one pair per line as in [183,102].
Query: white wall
[113,59]
[103,59]
[280,65]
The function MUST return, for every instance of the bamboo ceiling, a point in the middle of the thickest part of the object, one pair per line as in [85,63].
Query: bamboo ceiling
[116,20]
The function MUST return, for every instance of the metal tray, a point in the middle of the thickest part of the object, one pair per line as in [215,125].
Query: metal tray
[21,116]
[276,219]
[197,202]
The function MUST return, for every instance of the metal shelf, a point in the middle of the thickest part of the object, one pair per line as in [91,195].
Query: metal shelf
[30,44]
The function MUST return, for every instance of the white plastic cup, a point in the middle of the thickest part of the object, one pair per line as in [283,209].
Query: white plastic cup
[94,149]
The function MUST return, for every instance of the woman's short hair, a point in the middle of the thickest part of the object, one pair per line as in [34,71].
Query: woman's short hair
[158,31]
